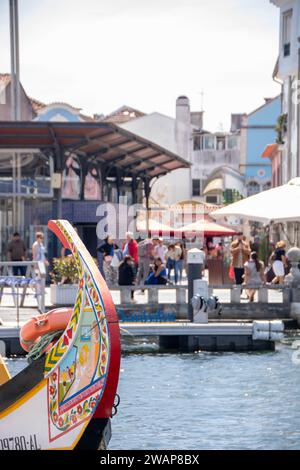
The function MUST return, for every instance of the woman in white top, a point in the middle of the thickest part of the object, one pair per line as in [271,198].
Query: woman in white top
[38,249]
[160,249]
[254,274]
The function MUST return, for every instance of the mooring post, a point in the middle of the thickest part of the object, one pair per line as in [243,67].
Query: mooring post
[195,263]
[263,295]
[292,281]
[153,295]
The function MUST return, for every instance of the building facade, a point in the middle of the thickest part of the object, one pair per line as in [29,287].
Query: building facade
[206,152]
[258,130]
[287,72]
[174,135]
[213,153]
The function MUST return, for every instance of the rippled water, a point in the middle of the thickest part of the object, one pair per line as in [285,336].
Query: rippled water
[206,400]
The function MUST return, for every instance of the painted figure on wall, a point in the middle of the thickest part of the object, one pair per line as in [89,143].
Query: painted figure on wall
[71,179]
[92,184]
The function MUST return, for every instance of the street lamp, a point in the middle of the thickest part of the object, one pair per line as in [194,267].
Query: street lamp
[15,104]
[15,62]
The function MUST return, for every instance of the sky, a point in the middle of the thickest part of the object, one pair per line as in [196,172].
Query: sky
[101,54]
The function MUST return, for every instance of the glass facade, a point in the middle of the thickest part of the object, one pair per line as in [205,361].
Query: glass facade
[28,201]
[25,173]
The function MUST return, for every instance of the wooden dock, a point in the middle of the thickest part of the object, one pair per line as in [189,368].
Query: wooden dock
[177,336]
[189,337]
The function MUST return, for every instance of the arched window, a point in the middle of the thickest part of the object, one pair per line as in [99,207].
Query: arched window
[252,188]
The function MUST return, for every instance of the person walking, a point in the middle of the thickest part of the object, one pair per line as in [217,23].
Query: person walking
[127,273]
[39,250]
[130,248]
[39,255]
[16,251]
[254,274]
[115,263]
[279,263]
[177,261]
[173,256]
[107,250]
[146,257]
[169,257]
[240,252]
[181,261]
[159,248]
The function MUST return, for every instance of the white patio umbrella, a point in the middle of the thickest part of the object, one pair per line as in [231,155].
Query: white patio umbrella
[157,228]
[281,204]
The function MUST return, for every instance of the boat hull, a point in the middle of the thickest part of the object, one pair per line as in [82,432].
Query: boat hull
[71,388]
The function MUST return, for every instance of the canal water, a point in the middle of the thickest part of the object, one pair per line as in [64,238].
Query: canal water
[206,400]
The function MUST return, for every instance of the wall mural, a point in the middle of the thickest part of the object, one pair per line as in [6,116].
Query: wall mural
[92,184]
[72,178]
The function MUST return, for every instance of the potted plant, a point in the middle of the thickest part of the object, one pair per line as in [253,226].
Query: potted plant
[64,276]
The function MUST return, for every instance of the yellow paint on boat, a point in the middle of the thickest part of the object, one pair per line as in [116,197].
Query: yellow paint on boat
[23,399]
[4,373]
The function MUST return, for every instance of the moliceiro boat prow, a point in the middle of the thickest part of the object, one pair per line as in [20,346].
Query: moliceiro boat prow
[65,397]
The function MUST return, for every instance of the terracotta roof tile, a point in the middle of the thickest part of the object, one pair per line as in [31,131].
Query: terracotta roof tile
[123,114]
[4,78]
[37,105]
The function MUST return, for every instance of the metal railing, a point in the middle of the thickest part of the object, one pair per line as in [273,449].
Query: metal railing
[35,278]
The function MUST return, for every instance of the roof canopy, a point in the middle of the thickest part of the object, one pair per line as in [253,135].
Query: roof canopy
[100,141]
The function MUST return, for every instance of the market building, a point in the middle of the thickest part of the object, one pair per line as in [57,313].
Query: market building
[58,163]
[257,131]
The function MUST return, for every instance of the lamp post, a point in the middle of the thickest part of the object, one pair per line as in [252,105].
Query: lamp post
[15,105]
[15,62]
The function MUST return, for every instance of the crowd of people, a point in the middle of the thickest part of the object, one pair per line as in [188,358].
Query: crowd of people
[250,270]
[154,262]
[149,262]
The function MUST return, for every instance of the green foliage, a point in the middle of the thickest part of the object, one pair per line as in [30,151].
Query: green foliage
[64,269]
[231,195]
[281,128]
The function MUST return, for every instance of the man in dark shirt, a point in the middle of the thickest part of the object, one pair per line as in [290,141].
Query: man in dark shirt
[16,251]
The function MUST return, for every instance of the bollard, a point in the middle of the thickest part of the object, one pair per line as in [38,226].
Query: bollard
[199,304]
[126,296]
[263,295]
[195,262]
[235,295]
[180,295]
[153,295]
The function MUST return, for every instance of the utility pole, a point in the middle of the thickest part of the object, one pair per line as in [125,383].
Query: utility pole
[15,61]
[15,106]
